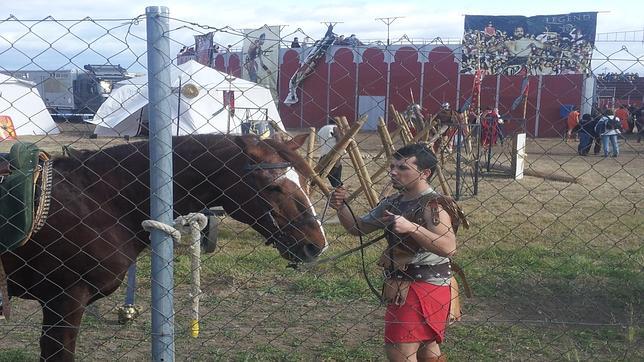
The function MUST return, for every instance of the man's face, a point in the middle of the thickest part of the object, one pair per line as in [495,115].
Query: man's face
[518,32]
[404,173]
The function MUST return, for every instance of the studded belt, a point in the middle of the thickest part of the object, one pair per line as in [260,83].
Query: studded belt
[421,272]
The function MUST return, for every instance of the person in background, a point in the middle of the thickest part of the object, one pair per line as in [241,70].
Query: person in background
[340,40]
[420,227]
[573,123]
[327,137]
[608,128]
[353,41]
[446,117]
[632,120]
[597,140]
[623,114]
[295,43]
[489,126]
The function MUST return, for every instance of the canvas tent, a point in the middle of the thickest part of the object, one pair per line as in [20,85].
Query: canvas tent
[198,95]
[21,102]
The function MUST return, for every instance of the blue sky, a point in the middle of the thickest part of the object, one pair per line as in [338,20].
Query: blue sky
[419,20]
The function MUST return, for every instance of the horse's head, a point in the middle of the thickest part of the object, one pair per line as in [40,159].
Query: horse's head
[270,197]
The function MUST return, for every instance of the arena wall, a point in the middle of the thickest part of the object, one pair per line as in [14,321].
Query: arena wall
[399,75]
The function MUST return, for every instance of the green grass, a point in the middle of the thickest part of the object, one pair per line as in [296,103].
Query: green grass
[17,355]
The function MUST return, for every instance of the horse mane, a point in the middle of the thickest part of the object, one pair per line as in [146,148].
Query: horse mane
[208,141]
[290,155]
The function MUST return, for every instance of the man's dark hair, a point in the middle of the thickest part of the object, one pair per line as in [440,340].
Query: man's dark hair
[587,117]
[425,158]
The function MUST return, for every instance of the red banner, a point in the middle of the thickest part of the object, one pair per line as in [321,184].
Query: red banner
[229,100]
[476,88]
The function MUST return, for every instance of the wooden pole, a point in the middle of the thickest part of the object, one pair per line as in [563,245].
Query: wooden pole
[405,132]
[442,180]
[359,166]
[310,146]
[385,138]
[317,180]
[525,105]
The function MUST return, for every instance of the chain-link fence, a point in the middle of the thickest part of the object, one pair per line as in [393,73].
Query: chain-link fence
[552,254]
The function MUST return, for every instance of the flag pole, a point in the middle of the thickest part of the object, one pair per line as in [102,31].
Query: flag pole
[525,104]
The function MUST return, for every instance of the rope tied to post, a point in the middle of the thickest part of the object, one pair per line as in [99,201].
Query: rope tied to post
[186,230]
[190,227]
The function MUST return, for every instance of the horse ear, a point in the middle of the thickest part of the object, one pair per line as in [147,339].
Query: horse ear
[297,141]
[249,144]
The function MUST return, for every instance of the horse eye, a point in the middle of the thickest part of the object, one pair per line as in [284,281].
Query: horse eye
[273,188]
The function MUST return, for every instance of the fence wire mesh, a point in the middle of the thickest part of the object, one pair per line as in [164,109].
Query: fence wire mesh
[553,258]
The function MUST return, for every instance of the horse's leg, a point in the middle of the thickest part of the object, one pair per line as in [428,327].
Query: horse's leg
[61,322]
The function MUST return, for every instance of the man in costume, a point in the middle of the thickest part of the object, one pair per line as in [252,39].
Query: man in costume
[420,227]
[447,117]
[490,122]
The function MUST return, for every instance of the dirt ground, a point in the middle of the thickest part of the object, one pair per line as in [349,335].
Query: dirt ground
[257,316]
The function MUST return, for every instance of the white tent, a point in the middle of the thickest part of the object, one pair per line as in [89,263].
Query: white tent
[20,101]
[197,95]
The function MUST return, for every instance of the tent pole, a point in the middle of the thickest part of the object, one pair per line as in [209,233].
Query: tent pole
[179,106]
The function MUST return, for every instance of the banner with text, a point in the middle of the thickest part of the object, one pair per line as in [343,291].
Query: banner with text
[543,44]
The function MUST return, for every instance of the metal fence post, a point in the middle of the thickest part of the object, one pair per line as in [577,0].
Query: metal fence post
[159,62]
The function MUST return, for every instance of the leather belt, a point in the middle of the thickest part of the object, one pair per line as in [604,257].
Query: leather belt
[421,272]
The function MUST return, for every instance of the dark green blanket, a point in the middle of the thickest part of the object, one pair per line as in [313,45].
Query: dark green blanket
[17,196]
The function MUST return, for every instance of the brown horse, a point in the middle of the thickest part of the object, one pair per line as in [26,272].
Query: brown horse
[93,232]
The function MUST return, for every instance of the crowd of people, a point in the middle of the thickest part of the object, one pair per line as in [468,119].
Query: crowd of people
[352,40]
[603,129]
[629,77]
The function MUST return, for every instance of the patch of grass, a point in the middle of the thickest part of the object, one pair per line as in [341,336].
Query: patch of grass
[333,288]
[17,355]
[489,341]
[512,267]
[369,351]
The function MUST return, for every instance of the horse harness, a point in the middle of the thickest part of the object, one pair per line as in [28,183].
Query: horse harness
[25,177]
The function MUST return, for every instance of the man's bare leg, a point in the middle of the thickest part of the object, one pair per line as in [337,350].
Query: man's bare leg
[402,352]
[430,351]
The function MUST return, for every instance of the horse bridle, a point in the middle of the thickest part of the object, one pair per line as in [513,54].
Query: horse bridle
[274,238]
[279,234]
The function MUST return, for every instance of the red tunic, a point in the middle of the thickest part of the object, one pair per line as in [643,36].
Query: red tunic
[422,318]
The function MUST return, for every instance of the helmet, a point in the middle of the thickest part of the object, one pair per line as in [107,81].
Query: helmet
[445,105]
